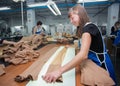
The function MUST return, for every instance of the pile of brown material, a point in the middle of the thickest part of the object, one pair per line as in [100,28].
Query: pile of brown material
[34,40]
[22,51]
[32,72]
[18,55]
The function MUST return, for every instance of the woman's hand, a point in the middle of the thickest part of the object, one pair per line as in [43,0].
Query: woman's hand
[52,77]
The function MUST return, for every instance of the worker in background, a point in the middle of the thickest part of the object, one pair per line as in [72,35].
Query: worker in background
[114,32]
[38,29]
[92,47]
[115,28]
[117,39]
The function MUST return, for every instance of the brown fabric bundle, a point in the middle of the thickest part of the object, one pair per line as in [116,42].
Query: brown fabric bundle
[28,38]
[23,55]
[93,75]
[32,72]
[37,39]
[22,51]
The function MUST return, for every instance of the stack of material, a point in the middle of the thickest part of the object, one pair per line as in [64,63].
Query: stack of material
[32,72]
[20,54]
[34,40]
[22,51]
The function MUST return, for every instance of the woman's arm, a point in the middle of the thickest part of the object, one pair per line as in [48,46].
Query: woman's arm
[82,55]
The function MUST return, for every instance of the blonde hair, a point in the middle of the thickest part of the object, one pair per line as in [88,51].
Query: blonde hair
[80,10]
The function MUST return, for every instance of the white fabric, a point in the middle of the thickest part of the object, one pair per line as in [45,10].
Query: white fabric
[68,77]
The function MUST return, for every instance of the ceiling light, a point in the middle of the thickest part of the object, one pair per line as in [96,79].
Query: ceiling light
[56,8]
[101,0]
[37,4]
[50,4]
[18,0]
[53,7]
[4,8]
[80,1]
[52,10]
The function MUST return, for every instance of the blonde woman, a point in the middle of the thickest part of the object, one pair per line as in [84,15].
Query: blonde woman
[92,47]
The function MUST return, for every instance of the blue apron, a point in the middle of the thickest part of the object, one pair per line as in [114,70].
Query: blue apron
[106,62]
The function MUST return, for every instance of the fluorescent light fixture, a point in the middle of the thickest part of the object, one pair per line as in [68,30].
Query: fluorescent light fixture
[37,4]
[50,4]
[80,1]
[4,8]
[53,7]
[101,0]
[17,26]
[18,0]
[52,10]
[56,8]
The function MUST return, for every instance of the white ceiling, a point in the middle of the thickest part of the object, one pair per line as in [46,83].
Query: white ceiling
[92,8]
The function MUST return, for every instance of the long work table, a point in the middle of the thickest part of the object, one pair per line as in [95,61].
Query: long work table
[13,70]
